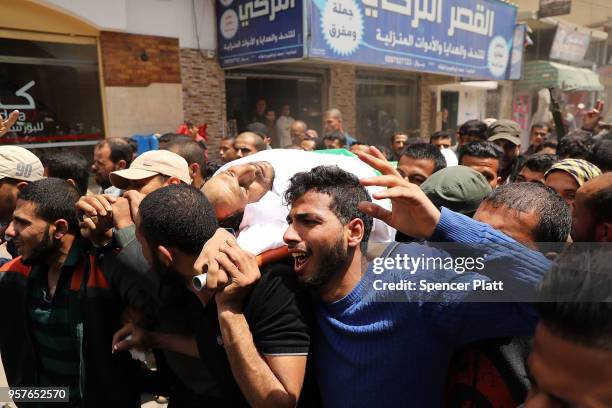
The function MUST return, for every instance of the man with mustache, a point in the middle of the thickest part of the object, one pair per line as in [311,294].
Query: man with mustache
[63,302]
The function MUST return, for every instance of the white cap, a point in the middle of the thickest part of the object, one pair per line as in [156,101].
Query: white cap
[20,164]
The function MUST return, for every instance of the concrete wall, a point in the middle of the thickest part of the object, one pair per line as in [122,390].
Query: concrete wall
[167,18]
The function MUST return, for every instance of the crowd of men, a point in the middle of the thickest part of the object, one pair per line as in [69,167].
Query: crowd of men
[97,293]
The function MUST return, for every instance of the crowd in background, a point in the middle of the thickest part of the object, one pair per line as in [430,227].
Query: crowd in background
[98,286]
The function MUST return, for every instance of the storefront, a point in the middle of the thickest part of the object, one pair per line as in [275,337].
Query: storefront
[50,72]
[370,60]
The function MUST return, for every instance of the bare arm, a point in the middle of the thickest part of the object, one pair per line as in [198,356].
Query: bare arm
[265,381]
[143,340]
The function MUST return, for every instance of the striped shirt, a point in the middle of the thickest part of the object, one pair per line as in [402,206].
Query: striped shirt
[55,337]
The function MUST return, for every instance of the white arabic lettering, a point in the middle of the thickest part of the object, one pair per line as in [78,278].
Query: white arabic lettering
[21,92]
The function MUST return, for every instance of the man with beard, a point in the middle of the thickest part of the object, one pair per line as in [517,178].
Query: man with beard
[404,345]
[247,194]
[18,167]
[62,303]
[110,155]
[507,135]
[252,337]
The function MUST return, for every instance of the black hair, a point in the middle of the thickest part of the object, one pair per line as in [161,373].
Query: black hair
[601,155]
[120,149]
[211,169]
[232,221]
[191,151]
[258,128]
[177,216]
[336,135]
[344,189]
[167,138]
[441,134]
[600,204]
[540,125]
[547,143]
[358,143]
[55,199]
[540,162]
[474,127]
[575,145]
[576,296]
[68,165]
[481,149]
[259,143]
[397,134]
[554,215]
[425,151]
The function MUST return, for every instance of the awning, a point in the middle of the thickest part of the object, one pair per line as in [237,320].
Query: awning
[548,74]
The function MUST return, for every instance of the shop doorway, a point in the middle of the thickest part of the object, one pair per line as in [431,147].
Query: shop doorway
[302,94]
[450,109]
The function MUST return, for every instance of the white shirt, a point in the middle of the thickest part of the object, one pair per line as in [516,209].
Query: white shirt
[283,130]
[267,217]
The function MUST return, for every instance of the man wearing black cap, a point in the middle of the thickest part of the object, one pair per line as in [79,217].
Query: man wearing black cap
[506,134]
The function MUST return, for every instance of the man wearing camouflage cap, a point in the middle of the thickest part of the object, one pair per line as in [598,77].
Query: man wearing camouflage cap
[507,135]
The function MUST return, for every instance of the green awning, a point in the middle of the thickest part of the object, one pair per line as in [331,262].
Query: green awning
[548,74]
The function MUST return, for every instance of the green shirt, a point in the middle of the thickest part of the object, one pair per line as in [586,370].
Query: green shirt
[54,335]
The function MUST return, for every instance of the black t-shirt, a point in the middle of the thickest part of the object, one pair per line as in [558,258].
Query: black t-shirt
[279,317]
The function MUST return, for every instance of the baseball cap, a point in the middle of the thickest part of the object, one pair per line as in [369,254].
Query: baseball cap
[152,163]
[458,188]
[20,164]
[505,129]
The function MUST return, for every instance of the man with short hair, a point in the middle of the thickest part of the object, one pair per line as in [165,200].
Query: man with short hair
[538,134]
[441,139]
[592,210]
[284,124]
[572,348]
[358,330]
[399,141]
[259,113]
[419,161]
[62,303]
[332,122]
[473,130]
[253,335]
[193,153]
[297,132]
[575,145]
[110,155]
[334,140]
[227,153]
[18,167]
[507,135]
[495,370]
[484,157]
[248,143]
[534,168]
[70,166]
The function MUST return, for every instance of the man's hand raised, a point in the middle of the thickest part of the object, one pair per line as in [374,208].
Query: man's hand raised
[412,212]
[6,124]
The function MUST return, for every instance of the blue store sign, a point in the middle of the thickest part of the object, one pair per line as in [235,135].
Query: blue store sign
[467,38]
[257,31]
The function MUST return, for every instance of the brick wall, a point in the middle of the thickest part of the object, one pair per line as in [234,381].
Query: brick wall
[343,94]
[123,66]
[427,114]
[204,95]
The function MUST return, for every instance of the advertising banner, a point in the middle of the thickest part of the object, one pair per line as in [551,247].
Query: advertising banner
[570,43]
[549,8]
[468,38]
[257,31]
[518,47]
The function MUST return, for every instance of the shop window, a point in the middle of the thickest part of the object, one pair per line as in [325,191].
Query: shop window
[385,106]
[56,88]
[301,93]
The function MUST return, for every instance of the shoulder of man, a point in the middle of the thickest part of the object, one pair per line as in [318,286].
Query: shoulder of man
[279,311]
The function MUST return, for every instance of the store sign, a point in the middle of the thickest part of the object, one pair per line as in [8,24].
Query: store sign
[518,47]
[549,8]
[257,31]
[469,38]
[570,43]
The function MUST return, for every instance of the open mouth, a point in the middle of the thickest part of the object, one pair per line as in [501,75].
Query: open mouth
[300,260]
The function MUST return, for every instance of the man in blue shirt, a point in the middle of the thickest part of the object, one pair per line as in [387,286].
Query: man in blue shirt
[368,350]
